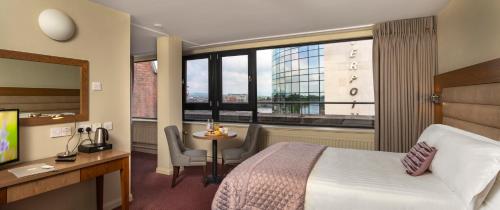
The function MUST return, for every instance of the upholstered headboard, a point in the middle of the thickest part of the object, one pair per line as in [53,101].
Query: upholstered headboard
[470,99]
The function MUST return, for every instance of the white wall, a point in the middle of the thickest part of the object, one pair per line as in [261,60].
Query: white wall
[103,38]
[468,33]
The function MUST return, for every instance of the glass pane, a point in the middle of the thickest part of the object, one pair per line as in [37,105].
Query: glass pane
[264,71]
[197,81]
[144,90]
[235,116]
[303,63]
[313,62]
[198,115]
[295,64]
[235,79]
[313,86]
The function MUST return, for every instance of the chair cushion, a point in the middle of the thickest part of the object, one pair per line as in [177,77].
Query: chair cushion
[232,154]
[196,155]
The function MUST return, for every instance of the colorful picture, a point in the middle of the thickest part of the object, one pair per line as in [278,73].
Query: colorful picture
[8,136]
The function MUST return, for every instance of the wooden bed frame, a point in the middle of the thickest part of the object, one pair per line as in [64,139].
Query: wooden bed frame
[469,98]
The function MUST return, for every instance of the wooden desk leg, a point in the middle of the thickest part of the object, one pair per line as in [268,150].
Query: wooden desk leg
[124,179]
[99,181]
[3,196]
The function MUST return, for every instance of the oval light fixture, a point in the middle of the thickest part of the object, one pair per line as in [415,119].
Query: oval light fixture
[56,24]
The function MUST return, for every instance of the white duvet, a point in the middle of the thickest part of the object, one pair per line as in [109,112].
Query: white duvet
[355,179]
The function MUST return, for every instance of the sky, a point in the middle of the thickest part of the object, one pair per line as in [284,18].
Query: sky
[264,72]
[197,76]
[235,73]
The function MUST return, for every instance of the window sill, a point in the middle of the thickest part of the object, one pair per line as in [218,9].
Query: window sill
[295,127]
[144,120]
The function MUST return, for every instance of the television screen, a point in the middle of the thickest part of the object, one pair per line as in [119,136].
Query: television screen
[9,136]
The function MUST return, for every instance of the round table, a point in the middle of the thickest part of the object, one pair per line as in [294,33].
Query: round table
[214,178]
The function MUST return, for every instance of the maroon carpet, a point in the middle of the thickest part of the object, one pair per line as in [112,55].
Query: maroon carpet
[151,190]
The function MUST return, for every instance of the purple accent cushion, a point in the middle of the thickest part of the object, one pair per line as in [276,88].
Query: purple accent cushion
[418,159]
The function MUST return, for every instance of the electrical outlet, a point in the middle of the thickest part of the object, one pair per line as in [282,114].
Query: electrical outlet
[66,131]
[55,132]
[84,125]
[95,126]
[108,125]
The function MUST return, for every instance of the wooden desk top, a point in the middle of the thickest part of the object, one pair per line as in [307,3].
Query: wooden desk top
[201,135]
[82,160]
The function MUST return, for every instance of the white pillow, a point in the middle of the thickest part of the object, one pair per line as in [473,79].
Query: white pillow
[492,201]
[466,162]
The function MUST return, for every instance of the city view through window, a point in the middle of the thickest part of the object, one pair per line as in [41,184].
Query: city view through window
[323,84]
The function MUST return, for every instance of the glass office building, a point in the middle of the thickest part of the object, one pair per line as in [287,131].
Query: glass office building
[298,80]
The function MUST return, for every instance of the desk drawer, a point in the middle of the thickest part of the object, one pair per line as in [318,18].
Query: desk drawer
[28,189]
[101,169]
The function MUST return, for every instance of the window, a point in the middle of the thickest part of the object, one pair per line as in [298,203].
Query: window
[218,86]
[235,79]
[196,88]
[197,81]
[144,90]
[326,84]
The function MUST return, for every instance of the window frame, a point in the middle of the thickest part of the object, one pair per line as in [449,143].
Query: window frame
[215,78]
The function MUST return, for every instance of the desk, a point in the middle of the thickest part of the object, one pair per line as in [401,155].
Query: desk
[215,178]
[86,167]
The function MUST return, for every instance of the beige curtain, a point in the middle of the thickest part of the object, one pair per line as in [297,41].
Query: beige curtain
[405,62]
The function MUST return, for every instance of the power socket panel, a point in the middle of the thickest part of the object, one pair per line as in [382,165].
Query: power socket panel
[85,125]
[66,131]
[95,126]
[55,132]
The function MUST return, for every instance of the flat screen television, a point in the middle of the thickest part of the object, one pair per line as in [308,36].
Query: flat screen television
[9,136]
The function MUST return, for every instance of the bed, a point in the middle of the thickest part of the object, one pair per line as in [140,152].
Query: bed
[467,117]
[381,185]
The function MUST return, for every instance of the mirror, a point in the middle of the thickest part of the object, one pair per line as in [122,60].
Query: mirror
[45,89]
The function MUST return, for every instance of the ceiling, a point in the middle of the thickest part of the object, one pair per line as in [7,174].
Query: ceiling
[204,23]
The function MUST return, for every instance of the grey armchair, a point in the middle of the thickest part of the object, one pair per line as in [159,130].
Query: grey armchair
[182,156]
[237,155]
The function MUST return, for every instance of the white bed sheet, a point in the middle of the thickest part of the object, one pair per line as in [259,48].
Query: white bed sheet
[356,179]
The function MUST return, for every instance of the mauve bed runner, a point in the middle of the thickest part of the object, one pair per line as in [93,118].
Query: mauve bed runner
[275,178]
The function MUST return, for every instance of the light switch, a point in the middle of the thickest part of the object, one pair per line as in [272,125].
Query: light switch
[96,86]
[108,125]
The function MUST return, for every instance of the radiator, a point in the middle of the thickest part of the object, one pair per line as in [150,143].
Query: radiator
[144,136]
[341,138]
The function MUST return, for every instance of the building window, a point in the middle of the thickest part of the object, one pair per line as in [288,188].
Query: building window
[326,84]
[144,90]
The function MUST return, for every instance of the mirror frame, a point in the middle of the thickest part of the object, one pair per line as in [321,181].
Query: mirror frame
[84,85]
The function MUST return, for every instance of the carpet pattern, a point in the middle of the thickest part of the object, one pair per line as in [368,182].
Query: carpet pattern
[151,190]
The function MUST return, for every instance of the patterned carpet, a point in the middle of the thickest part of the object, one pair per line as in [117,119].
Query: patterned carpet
[152,190]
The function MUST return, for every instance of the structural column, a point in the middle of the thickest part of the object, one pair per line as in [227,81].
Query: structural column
[169,109]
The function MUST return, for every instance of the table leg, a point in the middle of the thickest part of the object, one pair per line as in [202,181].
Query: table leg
[214,178]
[124,179]
[99,182]
[214,160]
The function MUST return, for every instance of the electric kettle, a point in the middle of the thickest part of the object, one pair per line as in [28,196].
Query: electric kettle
[101,136]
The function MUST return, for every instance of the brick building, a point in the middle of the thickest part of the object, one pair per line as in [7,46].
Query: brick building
[144,90]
